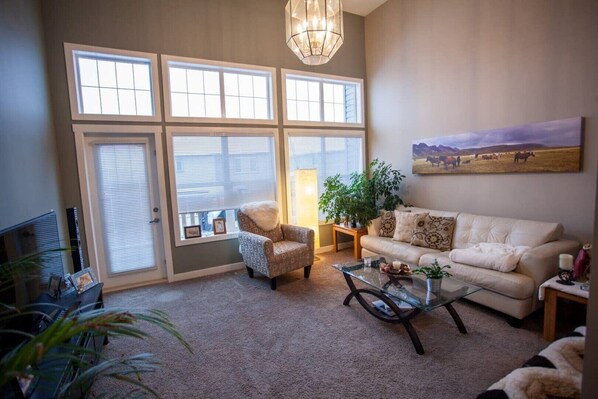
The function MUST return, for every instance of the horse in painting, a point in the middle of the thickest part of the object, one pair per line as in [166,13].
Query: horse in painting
[523,156]
[433,160]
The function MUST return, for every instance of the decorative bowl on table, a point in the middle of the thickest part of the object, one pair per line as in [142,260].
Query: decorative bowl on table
[395,268]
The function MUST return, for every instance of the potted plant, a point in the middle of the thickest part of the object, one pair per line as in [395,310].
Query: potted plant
[434,274]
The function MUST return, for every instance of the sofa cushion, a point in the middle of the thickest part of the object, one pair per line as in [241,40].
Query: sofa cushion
[433,232]
[394,249]
[388,223]
[514,285]
[473,229]
[405,225]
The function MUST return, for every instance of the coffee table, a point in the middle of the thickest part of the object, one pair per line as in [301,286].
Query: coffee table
[401,298]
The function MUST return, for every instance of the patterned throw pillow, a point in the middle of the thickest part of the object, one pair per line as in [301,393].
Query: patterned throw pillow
[434,232]
[388,222]
[405,225]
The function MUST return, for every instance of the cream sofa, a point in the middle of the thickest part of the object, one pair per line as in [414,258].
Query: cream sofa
[514,293]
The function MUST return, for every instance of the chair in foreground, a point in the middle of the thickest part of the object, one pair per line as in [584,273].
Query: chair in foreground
[270,247]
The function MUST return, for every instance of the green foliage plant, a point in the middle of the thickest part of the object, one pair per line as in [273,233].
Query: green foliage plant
[434,271]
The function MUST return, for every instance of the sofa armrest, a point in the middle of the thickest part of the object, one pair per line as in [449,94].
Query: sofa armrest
[299,234]
[374,226]
[541,263]
[255,249]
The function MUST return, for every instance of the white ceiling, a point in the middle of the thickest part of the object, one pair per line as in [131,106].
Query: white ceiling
[361,7]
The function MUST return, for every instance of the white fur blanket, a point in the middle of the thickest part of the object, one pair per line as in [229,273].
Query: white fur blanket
[489,255]
[263,213]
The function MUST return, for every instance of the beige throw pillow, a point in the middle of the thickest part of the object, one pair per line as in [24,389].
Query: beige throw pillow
[434,232]
[388,223]
[405,225]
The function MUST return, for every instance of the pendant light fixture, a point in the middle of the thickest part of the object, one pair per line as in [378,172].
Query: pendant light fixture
[314,29]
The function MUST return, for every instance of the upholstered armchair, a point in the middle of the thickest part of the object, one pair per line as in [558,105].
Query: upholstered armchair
[272,248]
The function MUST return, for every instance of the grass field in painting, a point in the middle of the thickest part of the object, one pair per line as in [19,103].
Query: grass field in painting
[546,160]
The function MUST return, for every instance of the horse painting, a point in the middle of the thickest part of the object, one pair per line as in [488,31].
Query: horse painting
[433,160]
[523,155]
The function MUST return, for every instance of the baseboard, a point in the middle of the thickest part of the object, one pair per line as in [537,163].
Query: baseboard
[136,285]
[330,248]
[208,272]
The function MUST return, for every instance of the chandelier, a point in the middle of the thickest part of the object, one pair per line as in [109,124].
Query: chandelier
[314,29]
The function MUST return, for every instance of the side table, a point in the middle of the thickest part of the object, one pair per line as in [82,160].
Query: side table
[550,291]
[355,232]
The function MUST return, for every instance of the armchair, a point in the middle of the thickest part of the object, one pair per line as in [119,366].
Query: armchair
[272,248]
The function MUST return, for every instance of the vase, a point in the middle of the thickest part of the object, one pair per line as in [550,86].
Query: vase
[433,284]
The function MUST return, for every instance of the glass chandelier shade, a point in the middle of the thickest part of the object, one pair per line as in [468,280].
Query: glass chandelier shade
[314,29]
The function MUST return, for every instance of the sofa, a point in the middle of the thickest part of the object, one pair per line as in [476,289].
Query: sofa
[514,293]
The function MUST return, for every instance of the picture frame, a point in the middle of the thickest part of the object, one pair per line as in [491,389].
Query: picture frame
[83,280]
[54,285]
[193,231]
[219,225]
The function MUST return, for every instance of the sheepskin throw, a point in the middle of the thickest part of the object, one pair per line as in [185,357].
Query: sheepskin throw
[263,213]
[490,255]
[405,225]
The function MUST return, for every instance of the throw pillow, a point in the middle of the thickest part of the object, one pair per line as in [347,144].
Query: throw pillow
[434,232]
[388,223]
[405,225]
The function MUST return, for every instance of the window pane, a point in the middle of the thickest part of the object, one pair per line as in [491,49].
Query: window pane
[260,87]
[314,91]
[91,100]
[212,82]
[124,75]
[314,111]
[246,107]
[178,80]
[292,110]
[178,104]
[142,76]
[195,81]
[231,85]
[339,94]
[143,101]
[107,73]
[126,100]
[302,111]
[197,106]
[88,72]
[232,107]
[329,112]
[328,92]
[261,108]
[245,86]
[109,101]
[339,113]
[213,107]
[291,89]
[302,90]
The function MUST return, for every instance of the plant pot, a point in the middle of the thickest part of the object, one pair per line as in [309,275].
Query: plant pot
[433,284]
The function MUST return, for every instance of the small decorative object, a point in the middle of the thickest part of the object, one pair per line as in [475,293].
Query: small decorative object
[367,262]
[565,269]
[54,286]
[219,225]
[582,262]
[83,280]
[192,231]
[434,274]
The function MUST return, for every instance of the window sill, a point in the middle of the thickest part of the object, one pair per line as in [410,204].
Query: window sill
[205,240]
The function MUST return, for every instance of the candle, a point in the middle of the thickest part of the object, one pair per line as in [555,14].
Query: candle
[565,262]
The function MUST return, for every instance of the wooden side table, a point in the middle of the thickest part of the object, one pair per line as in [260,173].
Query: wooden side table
[551,291]
[355,232]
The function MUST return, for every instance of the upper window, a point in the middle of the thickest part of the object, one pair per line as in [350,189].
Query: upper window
[207,91]
[323,100]
[329,152]
[109,84]
[214,171]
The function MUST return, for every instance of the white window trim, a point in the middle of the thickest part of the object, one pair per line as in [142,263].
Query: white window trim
[72,84]
[80,131]
[217,64]
[172,131]
[322,78]
[315,133]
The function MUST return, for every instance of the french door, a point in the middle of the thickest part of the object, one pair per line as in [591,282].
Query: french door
[122,207]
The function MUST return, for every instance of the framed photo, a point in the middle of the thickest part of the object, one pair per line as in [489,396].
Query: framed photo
[192,231]
[54,285]
[219,226]
[83,280]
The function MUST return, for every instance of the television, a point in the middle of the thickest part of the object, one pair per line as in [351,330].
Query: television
[38,235]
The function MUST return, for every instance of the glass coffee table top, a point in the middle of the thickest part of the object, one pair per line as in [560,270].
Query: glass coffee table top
[408,289]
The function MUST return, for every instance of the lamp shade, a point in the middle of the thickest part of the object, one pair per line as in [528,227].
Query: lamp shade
[314,29]
[306,201]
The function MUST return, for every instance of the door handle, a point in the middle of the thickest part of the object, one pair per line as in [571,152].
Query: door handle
[156,220]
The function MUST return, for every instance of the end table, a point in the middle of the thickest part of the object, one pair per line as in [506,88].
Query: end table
[355,232]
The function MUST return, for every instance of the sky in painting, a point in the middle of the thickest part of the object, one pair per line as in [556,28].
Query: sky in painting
[561,133]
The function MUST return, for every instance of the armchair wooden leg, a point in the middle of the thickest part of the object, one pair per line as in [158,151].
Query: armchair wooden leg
[306,271]
[273,283]
[249,271]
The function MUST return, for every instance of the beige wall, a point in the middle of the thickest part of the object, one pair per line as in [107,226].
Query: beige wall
[442,67]
[29,182]
[241,31]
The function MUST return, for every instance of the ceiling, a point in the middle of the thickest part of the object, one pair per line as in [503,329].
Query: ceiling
[361,7]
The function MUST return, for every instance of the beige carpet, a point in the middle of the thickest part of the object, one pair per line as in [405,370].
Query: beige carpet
[301,342]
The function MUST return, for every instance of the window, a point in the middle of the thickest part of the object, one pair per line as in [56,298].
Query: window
[108,84]
[223,168]
[208,91]
[330,152]
[323,100]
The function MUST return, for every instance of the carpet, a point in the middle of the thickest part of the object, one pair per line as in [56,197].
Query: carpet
[301,342]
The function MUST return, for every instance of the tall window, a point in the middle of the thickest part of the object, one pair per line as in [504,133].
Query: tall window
[220,169]
[207,91]
[329,152]
[109,84]
[314,99]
